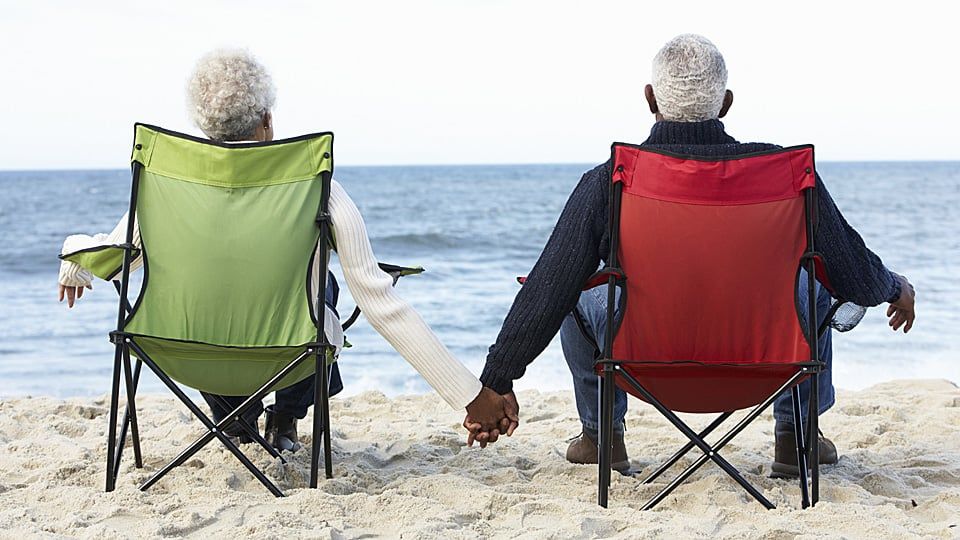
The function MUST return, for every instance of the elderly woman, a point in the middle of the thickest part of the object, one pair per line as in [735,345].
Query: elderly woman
[230,97]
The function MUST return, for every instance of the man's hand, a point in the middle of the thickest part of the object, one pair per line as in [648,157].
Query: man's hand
[902,311]
[502,417]
[512,420]
[73,293]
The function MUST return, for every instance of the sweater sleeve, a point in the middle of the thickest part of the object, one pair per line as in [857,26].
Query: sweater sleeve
[74,275]
[856,274]
[553,287]
[391,316]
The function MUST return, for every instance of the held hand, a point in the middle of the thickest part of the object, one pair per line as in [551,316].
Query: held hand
[503,407]
[487,409]
[483,417]
[474,433]
[510,422]
[902,312]
[73,293]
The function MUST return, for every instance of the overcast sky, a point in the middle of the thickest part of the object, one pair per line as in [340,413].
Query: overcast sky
[482,81]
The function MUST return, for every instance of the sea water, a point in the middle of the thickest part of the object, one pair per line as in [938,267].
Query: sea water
[474,228]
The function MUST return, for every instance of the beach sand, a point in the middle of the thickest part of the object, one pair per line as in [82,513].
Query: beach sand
[402,470]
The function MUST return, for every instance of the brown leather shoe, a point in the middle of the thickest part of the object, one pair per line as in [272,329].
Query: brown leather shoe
[785,453]
[583,450]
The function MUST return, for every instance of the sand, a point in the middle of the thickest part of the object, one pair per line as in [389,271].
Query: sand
[402,470]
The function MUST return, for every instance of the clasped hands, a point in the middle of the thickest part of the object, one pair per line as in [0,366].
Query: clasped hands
[490,415]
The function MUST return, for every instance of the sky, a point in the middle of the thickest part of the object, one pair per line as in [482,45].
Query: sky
[484,81]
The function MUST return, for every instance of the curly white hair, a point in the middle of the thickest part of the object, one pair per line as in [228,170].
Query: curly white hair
[689,79]
[228,94]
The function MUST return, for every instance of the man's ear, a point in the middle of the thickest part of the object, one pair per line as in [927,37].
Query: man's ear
[727,102]
[651,99]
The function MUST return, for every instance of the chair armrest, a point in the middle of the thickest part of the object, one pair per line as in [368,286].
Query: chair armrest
[602,276]
[596,279]
[396,272]
[105,262]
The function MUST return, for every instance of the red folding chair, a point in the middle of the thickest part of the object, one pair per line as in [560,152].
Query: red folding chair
[707,253]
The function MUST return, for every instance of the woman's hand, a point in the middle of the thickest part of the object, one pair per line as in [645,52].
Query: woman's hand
[72,293]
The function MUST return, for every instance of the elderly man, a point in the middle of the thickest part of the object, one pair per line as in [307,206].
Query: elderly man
[687,97]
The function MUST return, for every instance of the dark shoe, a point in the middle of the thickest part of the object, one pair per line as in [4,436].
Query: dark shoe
[238,435]
[281,432]
[237,440]
[785,452]
[583,450]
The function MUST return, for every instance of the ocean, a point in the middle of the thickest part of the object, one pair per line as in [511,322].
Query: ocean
[474,228]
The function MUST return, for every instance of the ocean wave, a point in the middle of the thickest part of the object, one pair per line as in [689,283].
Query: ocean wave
[432,240]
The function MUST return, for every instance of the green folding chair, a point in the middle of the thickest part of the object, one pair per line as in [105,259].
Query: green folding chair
[229,233]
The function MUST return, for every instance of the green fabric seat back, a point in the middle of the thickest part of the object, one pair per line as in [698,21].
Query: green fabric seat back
[229,232]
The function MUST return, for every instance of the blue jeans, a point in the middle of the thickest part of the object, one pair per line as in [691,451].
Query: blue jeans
[292,400]
[581,354]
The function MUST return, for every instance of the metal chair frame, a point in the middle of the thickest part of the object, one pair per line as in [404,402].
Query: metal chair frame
[125,343]
[611,370]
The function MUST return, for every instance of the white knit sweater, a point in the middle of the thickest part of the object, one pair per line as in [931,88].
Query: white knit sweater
[372,289]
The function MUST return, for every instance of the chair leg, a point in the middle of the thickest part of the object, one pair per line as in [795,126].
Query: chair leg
[252,431]
[325,413]
[801,446]
[683,476]
[686,448]
[257,473]
[111,480]
[213,433]
[815,482]
[607,393]
[813,412]
[709,452]
[131,412]
[129,422]
[319,404]
[181,458]
[197,446]
[215,430]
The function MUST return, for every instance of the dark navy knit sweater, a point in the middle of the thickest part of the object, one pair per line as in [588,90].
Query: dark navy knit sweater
[580,241]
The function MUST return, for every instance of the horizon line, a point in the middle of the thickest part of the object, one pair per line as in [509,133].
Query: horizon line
[520,164]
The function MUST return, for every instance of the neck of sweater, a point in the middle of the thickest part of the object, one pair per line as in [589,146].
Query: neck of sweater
[709,132]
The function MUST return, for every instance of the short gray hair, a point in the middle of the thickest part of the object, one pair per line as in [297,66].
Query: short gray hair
[228,94]
[689,79]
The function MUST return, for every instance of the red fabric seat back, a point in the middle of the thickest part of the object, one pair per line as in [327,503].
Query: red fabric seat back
[710,250]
